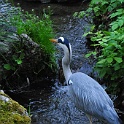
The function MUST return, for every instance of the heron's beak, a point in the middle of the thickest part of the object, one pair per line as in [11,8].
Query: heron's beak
[54,40]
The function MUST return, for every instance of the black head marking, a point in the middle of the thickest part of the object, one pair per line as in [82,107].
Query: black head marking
[64,41]
[60,41]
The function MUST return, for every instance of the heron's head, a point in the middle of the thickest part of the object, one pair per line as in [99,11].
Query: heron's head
[63,43]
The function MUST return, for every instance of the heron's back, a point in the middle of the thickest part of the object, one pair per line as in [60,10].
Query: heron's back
[90,97]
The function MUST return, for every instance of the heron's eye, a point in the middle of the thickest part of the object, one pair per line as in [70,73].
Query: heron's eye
[60,41]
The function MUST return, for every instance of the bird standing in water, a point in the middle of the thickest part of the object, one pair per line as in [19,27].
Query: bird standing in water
[85,92]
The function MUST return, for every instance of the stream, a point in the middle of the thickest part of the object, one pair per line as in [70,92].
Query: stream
[52,105]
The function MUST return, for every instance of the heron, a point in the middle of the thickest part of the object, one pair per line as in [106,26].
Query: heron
[87,94]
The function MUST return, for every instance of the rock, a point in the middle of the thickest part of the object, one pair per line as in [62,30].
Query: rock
[1,91]
[4,98]
[45,1]
[28,40]
[12,112]
[3,47]
[123,103]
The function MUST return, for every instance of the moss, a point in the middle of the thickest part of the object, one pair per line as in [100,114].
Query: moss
[13,113]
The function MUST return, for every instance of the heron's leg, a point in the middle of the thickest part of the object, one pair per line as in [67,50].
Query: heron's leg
[90,118]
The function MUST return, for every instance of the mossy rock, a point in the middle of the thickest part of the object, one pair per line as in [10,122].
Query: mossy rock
[11,112]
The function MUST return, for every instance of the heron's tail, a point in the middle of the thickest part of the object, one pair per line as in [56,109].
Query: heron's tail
[120,121]
[112,117]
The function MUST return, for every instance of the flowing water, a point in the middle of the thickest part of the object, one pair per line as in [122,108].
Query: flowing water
[52,105]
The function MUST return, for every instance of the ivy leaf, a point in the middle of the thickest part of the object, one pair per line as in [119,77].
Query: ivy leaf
[96,9]
[117,66]
[22,56]
[89,54]
[109,60]
[121,1]
[19,61]
[7,66]
[81,14]
[117,13]
[118,59]
[75,14]
[102,73]
[120,22]
[101,61]
[114,26]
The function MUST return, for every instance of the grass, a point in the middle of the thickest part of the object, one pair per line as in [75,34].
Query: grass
[38,28]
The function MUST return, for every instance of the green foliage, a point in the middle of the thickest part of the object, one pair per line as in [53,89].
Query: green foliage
[25,49]
[119,22]
[100,11]
[39,29]
[15,62]
[102,6]
[107,36]
[110,62]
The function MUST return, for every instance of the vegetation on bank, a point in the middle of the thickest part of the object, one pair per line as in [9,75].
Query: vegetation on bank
[25,47]
[107,38]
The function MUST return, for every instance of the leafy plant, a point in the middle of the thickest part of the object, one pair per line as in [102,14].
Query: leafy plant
[15,62]
[107,37]
[110,62]
[38,28]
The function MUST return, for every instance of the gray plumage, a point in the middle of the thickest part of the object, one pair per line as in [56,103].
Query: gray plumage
[85,92]
[90,97]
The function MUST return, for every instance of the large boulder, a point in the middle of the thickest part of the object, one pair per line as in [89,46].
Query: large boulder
[12,112]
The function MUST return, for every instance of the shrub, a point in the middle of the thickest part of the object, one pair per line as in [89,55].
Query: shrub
[106,34]
[38,28]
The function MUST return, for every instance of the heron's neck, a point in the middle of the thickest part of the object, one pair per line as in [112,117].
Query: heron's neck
[66,64]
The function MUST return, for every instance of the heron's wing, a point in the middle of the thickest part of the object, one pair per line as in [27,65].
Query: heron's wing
[88,94]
